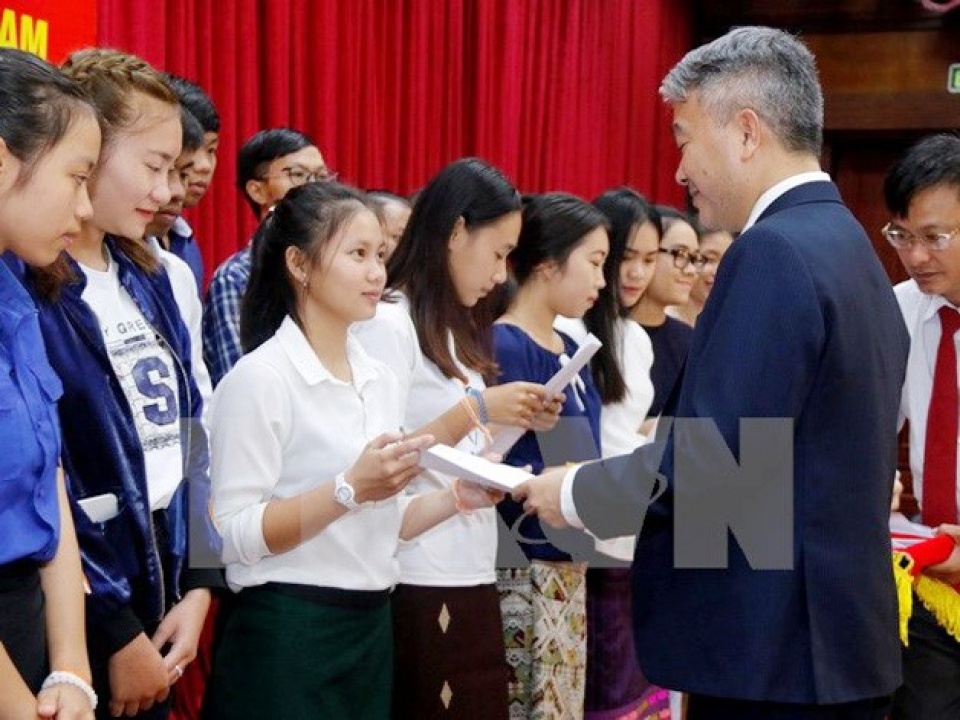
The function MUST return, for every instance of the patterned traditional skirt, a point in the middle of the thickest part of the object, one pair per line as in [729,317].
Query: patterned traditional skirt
[544,625]
[449,659]
[616,688]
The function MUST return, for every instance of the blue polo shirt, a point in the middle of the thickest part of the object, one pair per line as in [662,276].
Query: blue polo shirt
[29,431]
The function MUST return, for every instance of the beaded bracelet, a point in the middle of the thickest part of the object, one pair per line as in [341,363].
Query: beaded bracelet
[64,677]
[481,404]
[475,421]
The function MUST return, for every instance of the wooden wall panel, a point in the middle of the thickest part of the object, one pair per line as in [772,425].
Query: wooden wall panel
[715,17]
[888,81]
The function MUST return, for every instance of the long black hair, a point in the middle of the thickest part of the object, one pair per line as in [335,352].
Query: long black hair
[626,210]
[38,104]
[476,191]
[554,224]
[306,218]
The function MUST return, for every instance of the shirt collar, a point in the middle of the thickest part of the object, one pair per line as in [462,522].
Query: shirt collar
[305,360]
[932,306]
[154,244]
[781,188]
[181,227]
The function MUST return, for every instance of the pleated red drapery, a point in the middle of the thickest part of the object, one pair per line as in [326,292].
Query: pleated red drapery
[561,94]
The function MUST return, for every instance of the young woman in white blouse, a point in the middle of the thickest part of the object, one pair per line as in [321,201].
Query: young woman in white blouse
[307,462]
[435,329]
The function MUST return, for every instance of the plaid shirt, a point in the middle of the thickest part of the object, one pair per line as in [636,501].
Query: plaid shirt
[221,314]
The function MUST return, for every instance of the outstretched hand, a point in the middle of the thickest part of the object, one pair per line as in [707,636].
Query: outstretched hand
[541,496]
[471,496]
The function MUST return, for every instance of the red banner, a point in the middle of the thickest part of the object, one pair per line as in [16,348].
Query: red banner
[51,29]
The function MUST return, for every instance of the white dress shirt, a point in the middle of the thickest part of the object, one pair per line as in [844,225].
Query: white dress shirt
[461,551]
[920,314]
[282,425]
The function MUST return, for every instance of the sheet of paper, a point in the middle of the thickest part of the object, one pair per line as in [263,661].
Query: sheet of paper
[458,463]
[506,438]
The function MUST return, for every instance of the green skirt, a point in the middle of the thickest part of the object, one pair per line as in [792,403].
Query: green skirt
[284,656]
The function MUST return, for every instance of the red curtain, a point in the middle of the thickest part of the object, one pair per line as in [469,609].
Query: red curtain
[561,94]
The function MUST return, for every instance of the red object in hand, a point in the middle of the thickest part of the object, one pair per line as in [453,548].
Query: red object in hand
[930,552]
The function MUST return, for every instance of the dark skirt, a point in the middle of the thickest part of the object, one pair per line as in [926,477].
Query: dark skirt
[22,622]
[616,688]
[449,657]
[289,656]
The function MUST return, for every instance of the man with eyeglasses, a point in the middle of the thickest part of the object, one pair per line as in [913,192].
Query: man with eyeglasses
[269,165]
[922,193]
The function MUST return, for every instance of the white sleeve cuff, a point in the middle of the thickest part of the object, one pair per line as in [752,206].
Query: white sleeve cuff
[242,533]
[567,508]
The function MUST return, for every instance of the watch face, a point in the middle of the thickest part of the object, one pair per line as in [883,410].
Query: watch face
[344,494]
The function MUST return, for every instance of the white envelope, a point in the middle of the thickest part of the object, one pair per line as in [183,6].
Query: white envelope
[458,463]
[507,438]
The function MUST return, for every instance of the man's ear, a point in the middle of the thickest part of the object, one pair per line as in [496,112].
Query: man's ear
[749,126]
[257,191]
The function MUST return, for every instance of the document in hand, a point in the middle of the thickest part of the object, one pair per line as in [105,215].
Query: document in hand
[458,463]
[506,438]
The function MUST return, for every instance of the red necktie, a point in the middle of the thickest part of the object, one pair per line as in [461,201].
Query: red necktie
[940,451]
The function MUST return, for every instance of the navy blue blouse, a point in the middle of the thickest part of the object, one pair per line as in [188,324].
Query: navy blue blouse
[576,438]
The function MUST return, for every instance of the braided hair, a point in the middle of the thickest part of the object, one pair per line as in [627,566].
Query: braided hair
[110,80]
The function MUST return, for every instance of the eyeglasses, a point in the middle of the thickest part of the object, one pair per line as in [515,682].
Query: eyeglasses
[682,257]
[298,175]
[903,240]
[711,261]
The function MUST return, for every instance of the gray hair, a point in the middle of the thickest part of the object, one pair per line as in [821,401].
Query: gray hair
[766,70]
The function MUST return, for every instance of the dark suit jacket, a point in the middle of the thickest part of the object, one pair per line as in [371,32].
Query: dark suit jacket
[802,323]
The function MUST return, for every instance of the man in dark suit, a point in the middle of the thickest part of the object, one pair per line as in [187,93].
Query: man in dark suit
[801,331]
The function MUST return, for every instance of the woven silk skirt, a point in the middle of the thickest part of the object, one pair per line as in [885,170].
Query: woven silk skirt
[285,655]
[616,689]
[544,625]
[448,653]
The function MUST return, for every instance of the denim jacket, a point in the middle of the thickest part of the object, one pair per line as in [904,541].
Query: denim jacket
[135,571]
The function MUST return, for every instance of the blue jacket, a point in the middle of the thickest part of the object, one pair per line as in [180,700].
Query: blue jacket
[134,579]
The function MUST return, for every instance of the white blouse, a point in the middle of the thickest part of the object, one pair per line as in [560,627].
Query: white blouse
[281,424]
[462,550]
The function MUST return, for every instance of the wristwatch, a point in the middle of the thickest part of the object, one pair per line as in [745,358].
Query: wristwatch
[343,492]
